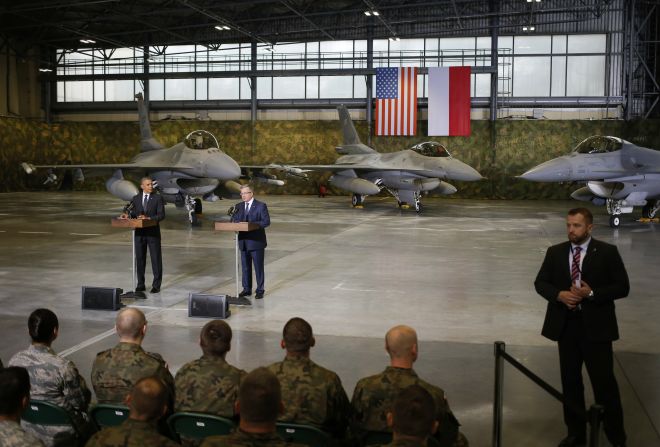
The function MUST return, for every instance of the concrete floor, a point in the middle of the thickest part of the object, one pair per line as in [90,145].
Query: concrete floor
[461,274]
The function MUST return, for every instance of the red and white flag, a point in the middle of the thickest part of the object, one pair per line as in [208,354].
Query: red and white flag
[449,101]
[396,101]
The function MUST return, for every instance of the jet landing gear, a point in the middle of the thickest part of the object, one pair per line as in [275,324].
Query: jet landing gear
[615,209]
[650,210]
[418,201]
[194,207]
[357,201]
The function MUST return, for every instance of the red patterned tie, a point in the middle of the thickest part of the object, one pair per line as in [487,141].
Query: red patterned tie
[575,267]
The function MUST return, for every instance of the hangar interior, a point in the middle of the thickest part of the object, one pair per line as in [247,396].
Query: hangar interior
[266,77]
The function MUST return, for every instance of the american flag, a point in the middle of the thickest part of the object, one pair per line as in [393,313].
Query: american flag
[396,101]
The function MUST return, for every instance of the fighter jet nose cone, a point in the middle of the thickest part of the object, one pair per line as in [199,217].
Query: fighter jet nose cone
[465,173]
[556,170]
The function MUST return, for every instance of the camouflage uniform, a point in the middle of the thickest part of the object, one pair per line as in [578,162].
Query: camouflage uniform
[116,370]
[131,433]
[12,435]
[56,380]
[207,385]
[242,439]
[404,443]
[312,395]
[374,396]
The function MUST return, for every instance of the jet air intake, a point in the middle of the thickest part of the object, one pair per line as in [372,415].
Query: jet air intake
[121,188]
[355,185]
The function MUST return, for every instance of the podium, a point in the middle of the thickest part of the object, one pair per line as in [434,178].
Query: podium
[236,227]
[118,222]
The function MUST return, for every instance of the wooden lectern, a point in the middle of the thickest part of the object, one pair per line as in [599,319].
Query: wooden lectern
[118,222]
[236,227]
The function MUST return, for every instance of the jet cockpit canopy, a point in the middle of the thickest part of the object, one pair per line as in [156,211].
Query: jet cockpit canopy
[431,149]
[201,139]
[599,145]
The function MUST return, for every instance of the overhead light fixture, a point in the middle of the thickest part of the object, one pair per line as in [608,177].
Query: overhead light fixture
[270,48]
[87,41]
[222,27]
[371,12]
[45,70]
[394,39]
[367,13]
[524,28]
[376,13]
[531,28]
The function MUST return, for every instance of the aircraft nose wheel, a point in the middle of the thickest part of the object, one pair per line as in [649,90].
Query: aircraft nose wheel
[356,200]
[615,221]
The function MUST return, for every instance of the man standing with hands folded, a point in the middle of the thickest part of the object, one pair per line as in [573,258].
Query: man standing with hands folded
[581,278]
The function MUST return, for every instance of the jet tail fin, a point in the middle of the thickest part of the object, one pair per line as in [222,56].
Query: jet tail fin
[147,141]
[352,143]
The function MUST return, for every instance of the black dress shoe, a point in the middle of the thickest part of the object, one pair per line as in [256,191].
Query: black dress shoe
[572,441]
[259,295]
[155,290]
[244,293]
[140,289]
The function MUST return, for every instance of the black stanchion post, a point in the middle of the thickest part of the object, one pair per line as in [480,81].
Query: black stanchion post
[595,417]
[500,348]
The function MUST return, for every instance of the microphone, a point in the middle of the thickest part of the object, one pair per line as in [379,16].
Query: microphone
[128,208]
[231,211]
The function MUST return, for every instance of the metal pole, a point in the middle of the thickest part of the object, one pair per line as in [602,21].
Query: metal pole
[595,416]
[236,238]
[500,347]
[631,45]
[369,79]
[134,260]
[494,60]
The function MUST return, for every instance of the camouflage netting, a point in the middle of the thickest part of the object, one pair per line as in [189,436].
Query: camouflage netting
[519,146]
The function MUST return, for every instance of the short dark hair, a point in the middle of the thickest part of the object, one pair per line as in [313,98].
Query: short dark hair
[14,386]
[41,324]
[216,338]
[260,396]
[588,217]
[148,398]
[297,335]
[414,412]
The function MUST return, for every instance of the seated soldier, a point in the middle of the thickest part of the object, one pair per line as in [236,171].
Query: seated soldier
[148,403]
[14,399]
[209,384]
[259,403]
[53,379]
[117,370]
[313,395]
[374,395]
[412,418]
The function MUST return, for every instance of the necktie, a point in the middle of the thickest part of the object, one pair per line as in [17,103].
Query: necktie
[247,210]
[144,202]
[575,267]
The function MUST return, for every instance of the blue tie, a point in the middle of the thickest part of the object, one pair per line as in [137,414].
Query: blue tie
[144,202]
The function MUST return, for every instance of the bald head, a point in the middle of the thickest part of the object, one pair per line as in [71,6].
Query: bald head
[131,324]
[148,399]
[401,343]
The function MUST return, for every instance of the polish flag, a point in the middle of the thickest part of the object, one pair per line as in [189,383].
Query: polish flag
[449,101]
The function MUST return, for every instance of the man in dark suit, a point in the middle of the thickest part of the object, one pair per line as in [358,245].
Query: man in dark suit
[148,205]
[581,278]
[252,243]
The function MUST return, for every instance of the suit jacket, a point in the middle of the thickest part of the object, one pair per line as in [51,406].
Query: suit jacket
[155,211]
[603,270]
[252,240]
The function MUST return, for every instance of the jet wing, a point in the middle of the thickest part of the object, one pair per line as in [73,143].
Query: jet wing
[29,168]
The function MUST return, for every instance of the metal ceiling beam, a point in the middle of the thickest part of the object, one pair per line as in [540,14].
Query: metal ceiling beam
[221,20]
[302,16]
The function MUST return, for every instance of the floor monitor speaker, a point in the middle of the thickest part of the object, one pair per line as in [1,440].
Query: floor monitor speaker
[101,298]
[208,306]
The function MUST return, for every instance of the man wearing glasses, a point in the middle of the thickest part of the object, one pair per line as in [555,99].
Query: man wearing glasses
[252,243]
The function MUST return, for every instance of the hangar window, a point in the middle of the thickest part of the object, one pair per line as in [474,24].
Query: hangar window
[599,145]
